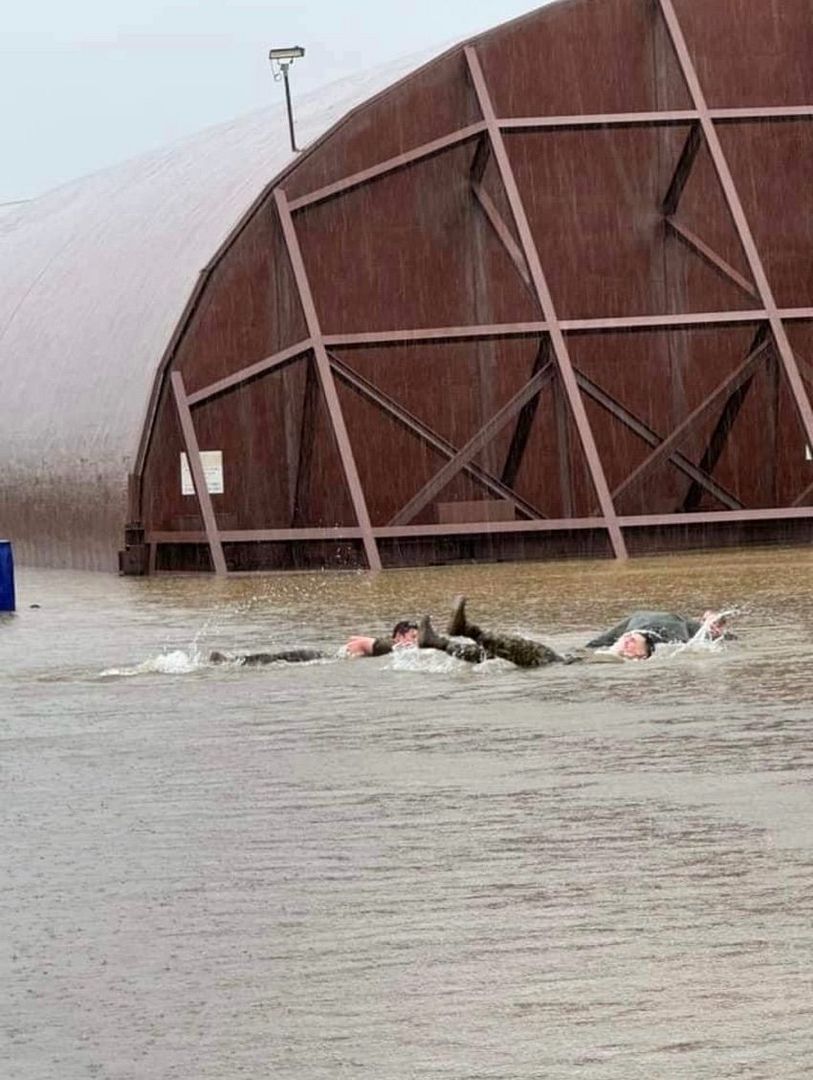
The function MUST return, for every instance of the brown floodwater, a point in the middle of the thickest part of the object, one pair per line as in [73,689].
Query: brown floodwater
[406,867]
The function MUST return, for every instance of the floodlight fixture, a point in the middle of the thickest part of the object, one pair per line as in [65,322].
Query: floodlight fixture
[294,53]
[281,60]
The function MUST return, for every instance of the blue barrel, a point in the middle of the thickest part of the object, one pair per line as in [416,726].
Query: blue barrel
[6,576]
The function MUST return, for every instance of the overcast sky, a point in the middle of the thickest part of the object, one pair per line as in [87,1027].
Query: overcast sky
[87,83]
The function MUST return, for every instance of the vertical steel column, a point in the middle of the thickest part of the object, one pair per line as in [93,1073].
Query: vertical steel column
[190,439]
[546,303]
[326,380]
[740,221]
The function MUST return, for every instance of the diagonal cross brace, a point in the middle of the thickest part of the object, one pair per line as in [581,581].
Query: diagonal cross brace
[475,444]
[709,255]
[683,170]
[190,440]
[727,387]
[514,252]
[719,437]
[643,431]
[525,419]
[428,436]
[737,211]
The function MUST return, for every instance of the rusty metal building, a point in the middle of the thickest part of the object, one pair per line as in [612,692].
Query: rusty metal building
[548,293]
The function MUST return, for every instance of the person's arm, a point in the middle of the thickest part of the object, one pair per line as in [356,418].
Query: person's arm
[368,646]
[609,637]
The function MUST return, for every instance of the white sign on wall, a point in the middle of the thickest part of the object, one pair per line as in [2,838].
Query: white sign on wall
[212,462]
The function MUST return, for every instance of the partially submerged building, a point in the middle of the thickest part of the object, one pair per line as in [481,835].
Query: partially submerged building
[548,292]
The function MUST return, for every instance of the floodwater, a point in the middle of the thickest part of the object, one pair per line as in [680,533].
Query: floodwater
[406,867]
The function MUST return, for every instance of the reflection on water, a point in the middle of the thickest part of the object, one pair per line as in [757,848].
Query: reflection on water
[409,866]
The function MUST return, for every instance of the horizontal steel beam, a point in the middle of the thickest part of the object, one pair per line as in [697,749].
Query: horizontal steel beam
[766,112]
[469,528]
[519,123]
[657,118]
[235,536]
[569,326]
[656,322]
[588,120]
[718,517]
[440,333]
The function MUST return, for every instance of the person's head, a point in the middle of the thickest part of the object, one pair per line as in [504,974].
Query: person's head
[405,632]
[714,623]
[634,646]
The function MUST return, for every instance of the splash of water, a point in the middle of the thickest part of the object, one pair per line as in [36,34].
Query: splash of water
[424,660]
[174,662]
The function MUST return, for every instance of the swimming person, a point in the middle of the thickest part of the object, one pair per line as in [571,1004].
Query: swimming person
[404,635]
[521,651]
[287,656]
[663,626]
[633,639]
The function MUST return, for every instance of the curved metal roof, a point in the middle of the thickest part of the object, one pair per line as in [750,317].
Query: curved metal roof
[95,274]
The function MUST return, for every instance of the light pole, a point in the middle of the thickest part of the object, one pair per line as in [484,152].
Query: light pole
[281,60]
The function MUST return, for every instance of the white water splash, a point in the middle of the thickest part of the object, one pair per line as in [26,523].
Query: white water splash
[176,662]
[424,660]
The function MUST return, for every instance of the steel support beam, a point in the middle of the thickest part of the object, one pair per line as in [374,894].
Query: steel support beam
[683,169]
[560,413]
[522,429]
[728,386]
[709,255]
[643,431]
[486,528]
[253,371]
[428,335]
[738,214]
[526,260]
[706,252]
[513,459]
[306,437]
[519,123]
[326,380]
[613,324]
[802,498]
[722,429]
[475,444]
[512,248]
[393,164]
[429,437]
[760,113]
[545,300]
[717,441]
[190,440]
[482,156]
